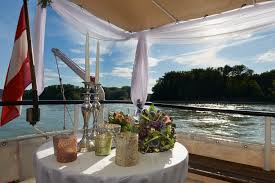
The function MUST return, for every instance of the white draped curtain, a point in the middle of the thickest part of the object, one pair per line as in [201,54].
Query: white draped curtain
[215,28]
[139,84]
[38,54]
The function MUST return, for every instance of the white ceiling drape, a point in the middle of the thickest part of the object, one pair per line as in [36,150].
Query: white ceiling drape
[85,22]
[232,24]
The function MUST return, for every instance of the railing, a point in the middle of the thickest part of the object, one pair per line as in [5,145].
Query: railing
[228,111]
[268,116]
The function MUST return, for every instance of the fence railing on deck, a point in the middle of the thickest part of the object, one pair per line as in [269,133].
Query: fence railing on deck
[267,114]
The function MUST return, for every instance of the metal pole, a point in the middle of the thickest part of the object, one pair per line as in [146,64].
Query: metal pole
[32,113]
[268,144]
[76,118]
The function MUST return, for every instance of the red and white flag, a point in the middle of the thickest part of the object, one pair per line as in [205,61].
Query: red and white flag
[19,74]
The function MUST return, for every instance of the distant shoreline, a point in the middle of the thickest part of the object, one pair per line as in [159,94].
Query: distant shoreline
[207,102]
[214,101]
[236,101]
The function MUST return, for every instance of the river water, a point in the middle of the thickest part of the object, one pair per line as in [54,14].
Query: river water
[233,126]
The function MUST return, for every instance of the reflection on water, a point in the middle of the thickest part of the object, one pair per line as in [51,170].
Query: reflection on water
[237,126]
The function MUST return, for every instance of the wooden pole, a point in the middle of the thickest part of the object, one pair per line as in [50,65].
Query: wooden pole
[32,114]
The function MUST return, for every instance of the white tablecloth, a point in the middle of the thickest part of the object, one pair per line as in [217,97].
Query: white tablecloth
[166,167]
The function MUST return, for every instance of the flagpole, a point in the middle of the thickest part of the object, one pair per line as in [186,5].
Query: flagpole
[33,114]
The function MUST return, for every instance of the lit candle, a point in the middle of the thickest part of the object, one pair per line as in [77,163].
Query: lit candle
[97,64]
[87,59]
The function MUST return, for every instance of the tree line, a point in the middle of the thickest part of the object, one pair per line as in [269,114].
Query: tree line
[72,92]
[236,83]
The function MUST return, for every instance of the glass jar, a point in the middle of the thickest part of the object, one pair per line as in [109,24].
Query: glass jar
[127,149]
[103,144]
[65,147]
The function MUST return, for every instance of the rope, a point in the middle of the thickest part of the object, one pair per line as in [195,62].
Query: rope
[65,106]
[63,95]
[41,132]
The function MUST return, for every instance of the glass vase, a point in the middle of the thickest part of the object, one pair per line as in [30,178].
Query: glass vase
[103,144]
[127,149]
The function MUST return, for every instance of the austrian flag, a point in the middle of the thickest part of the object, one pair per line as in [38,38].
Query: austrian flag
[18,75]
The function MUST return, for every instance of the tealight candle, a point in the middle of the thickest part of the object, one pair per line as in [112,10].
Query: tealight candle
[65,147]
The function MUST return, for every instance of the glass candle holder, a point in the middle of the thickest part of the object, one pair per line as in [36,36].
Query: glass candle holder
[127,149]
[113,129]
[103,144]
[65,147]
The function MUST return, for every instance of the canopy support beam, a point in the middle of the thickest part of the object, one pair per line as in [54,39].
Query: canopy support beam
[169,14]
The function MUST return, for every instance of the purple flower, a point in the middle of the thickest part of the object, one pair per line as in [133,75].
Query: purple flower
[158,125]
[155,143]
[143,133]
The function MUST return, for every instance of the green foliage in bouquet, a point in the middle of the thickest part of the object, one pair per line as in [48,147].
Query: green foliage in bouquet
[156,131]
[124,120]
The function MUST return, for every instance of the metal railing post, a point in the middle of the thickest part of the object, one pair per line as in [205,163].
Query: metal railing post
[267,144]
[76,118]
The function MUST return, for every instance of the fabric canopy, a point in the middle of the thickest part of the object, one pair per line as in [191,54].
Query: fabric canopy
[234,23]
[85,22]
[139,15]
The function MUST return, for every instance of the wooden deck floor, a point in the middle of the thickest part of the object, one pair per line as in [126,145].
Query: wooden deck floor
[229,171]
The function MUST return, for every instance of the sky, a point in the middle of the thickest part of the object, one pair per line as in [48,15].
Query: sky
[257,51]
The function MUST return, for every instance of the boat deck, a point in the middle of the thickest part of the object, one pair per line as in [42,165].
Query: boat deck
[203,168]
[229,171]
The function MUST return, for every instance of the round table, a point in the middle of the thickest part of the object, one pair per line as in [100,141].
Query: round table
[165,167]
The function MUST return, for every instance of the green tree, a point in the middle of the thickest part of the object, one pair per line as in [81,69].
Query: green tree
[222,83]
[72,92]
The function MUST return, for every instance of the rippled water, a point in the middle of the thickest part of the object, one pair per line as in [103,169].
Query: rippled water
[237,126]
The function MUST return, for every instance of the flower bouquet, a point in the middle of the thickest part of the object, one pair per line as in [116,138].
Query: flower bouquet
[124,120]
[156,131]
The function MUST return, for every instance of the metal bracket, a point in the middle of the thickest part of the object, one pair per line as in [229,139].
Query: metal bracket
[33,115]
